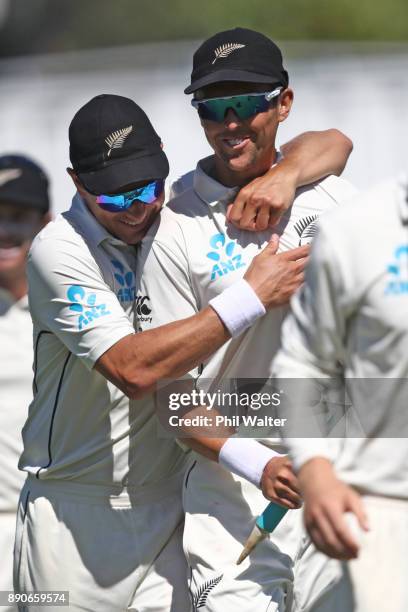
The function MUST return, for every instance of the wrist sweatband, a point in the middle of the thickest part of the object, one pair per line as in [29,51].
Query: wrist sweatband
[246,457]
[238,307]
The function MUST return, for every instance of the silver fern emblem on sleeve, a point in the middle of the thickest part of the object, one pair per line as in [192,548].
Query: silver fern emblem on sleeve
[117,138]
[226,50]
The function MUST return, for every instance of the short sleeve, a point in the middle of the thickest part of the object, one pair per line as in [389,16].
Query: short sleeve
[69,298]
[338,189]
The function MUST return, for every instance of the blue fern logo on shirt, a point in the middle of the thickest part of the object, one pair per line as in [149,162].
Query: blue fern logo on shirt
[126,280]
[85,305]
[398,272]
[224,255]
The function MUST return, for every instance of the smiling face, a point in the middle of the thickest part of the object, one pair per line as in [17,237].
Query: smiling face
[129,225]
[244,149]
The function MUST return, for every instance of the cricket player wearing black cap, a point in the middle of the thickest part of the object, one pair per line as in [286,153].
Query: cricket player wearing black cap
[100,513]
[241,93]
[24,210]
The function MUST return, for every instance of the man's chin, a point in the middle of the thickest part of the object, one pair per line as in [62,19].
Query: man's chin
[132,235]
[238,162]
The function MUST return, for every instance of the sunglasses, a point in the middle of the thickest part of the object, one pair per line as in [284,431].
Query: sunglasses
[122,201]
[244,105]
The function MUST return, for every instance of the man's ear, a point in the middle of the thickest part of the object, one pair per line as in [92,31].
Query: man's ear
[76,181]
[285,104]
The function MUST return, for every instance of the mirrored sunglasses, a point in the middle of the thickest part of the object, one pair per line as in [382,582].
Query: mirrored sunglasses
[244,106]
[122,201]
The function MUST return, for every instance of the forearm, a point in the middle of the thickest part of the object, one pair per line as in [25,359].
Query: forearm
[244,457]
[137,362]
[315,467]
[314,155]
[256,463]
[208,447]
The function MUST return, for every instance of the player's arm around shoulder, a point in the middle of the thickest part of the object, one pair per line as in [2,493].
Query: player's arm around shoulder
[307,158]
[175,337]
[178,337]
[138,362]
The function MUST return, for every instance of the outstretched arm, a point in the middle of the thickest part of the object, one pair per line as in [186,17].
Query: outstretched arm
[306,158]
[138,361]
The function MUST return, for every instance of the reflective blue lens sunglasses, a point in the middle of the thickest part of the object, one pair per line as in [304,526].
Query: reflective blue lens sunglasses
[122,201]
[244,105]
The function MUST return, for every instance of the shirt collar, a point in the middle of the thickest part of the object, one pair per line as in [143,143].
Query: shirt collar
[209,189]
[94,232]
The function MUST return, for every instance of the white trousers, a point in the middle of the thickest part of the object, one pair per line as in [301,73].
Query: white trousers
[110,554]
[283,574]
[220,511]
[378,579]
[7,532]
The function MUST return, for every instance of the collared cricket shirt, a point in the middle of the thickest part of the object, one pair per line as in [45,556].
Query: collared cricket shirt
[82,299]
[351,319]
[192,254]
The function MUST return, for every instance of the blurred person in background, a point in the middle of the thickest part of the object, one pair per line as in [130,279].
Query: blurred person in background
[24,210]
[350,322]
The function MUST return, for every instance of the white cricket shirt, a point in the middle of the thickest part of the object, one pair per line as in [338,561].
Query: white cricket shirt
[351,319]
[16,377]
[192,254]
[82,299]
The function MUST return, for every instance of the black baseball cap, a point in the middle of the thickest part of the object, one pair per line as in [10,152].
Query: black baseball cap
[113,144]
[23,182]
[237,55]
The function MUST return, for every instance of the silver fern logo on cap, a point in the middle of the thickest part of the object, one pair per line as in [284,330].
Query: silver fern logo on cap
[226,50]
[116,139]
[8,175]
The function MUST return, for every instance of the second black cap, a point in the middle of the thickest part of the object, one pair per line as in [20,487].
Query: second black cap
[23,183]
[237,55]
[113,144]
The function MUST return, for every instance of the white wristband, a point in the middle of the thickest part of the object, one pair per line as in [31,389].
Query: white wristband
[246,457]
[238,307]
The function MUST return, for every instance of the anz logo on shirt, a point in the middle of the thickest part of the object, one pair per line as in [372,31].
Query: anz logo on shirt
[398,272]
[85,305]
[225,256]
[126,280]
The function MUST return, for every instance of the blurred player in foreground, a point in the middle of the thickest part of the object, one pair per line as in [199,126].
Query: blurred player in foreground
[100,514]
[24,206]
[350,320]
[241,94]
